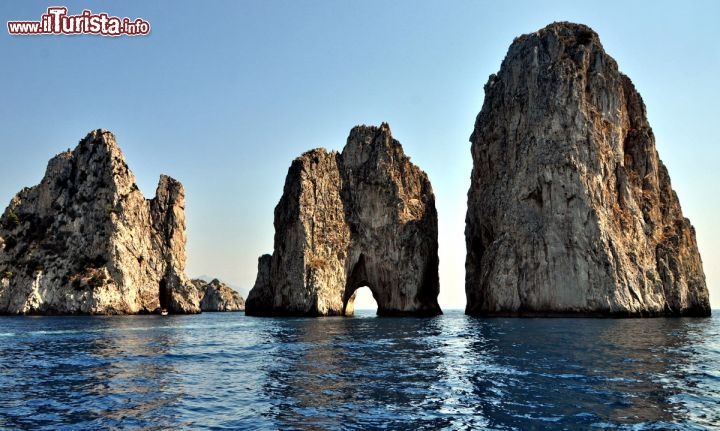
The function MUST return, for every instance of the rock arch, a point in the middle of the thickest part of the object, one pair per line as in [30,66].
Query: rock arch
[351,303]
[364,217]
[357,278]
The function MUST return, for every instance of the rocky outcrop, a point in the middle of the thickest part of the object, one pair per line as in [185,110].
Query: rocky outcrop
[218,296]
[85,240]
[364,217]
[570,210]
[261,298]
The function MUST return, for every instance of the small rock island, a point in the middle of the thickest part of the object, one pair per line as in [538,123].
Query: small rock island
[218,296]
[570,210]
[362,217]
[86,241]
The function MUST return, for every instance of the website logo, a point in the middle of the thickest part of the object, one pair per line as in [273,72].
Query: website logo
[57,21]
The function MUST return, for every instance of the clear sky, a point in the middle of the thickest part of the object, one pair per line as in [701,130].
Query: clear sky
[224,95]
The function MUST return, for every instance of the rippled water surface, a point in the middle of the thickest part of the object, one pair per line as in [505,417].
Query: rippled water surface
[229,371]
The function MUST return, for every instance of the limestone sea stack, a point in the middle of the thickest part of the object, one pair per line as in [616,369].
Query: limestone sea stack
[218,296]
[570,210]
[363,217]
[85,240]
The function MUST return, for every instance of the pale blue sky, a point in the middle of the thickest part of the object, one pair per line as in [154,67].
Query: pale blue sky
[224,95]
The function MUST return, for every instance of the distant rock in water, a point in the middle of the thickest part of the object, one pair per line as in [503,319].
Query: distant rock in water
[85,240]
[364,217]
[218,296]
[570,210]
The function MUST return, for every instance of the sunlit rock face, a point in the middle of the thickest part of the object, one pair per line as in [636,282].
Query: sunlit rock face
[363,217]
[570,210]
[218,296]
[85,240]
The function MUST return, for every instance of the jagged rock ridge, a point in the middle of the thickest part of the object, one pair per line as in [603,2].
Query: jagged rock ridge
[364,217]
[570,209]
[85,240]
[218,296]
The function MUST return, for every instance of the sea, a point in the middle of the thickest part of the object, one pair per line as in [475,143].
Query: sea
[227,371]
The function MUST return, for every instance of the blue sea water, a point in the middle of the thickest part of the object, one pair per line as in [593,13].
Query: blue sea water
[229,371]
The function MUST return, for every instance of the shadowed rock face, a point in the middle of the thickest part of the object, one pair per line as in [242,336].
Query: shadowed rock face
[570,210]
[364,217]
[85,240]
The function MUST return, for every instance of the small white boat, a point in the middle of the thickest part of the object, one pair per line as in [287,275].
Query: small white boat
[163,312]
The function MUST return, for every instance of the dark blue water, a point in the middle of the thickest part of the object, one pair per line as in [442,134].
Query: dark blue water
[228,371]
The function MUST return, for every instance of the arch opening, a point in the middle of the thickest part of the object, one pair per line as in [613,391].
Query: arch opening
[359,294]
[164,295]
[362,299]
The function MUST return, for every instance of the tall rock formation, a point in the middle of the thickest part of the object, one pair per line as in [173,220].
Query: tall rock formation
[85,240]
[364,217]
[570,210]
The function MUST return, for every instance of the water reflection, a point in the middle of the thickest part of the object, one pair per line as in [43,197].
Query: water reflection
[134,384]
[84,371]
[577,373]
[456,372]
[464,352]
[348,371]
[225,371]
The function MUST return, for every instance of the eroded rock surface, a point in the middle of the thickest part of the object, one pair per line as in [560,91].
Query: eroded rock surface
[218,296]
[570,210]
[364,217]
[85,240]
